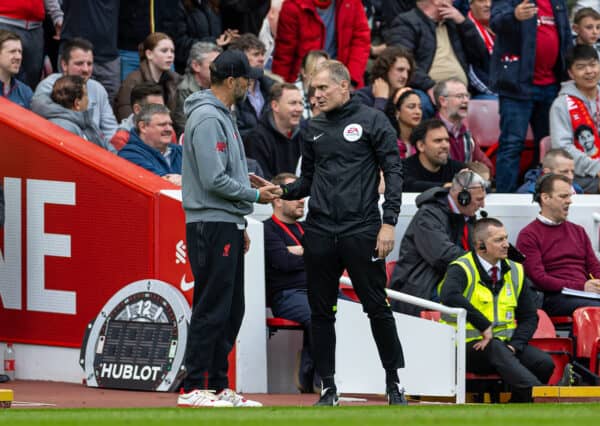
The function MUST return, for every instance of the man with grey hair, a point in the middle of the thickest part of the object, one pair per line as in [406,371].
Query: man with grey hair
[345,147]
[150,146]
[197,75]
[197,72]
[438,233]
[452,101]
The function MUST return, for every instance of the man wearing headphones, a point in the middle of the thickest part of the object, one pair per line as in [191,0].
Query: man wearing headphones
[438,233]
[501,312]
[558,253]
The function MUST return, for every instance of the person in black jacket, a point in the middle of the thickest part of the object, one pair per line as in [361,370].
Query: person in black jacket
[285,275]
[420,31]
[246,16]
[432,166]
[437,234]
[97,22]
[248,111]
[501,312]
[344,149]
[275,142]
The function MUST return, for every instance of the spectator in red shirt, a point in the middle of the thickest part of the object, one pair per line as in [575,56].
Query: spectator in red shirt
[527,65]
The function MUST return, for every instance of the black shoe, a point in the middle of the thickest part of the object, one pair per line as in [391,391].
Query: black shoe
[395,395]
[568,376]
[329,398]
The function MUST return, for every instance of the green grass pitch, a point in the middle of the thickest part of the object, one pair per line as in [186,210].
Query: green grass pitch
[501,415]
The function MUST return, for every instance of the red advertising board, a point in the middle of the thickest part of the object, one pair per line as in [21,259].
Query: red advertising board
[81,223]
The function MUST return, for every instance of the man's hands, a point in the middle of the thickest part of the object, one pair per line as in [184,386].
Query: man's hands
[593,286]
[268,193]
[447,11]
[246,242]
[487,337]
[525,10]
[385,241]
[174,178]
[381,89]
[227,37]
[297,250]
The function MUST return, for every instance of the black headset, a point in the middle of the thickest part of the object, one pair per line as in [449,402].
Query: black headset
[464,196]
[537,196]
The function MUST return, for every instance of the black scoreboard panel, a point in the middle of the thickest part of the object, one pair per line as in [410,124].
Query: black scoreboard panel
[138,339]
[134,355]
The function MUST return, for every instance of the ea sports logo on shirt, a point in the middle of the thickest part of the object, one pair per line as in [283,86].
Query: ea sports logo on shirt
[353,132]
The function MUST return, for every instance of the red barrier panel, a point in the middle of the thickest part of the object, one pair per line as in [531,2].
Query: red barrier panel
[81,223]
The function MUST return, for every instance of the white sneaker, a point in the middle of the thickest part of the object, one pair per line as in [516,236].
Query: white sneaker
[237,400]
[201,398]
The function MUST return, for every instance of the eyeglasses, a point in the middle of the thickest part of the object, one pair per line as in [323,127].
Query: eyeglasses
[461,96]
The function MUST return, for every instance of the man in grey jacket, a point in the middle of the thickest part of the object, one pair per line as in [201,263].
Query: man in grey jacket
[438,233]
[77,58]
[216,197]
[574,117]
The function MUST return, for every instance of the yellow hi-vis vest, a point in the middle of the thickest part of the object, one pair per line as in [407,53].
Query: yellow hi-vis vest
[499,309]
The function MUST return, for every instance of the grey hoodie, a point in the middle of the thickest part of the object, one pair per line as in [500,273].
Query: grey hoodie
[215,180]
[561,130]
[77,122]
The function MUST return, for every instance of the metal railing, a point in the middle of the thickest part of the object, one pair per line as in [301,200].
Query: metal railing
[461,321]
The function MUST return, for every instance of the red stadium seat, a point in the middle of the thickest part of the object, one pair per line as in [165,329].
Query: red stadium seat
[586,330]
[484,122]
[389,270]
[559,348]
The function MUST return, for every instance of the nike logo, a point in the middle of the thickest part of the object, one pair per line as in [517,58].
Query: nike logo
[317,136]
[375,259]
[186,286]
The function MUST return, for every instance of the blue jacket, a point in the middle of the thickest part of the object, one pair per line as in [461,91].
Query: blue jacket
[19,93]
[531,178]
[513,58]
[150,158]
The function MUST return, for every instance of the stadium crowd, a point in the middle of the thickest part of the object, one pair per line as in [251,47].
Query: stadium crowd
[119,74]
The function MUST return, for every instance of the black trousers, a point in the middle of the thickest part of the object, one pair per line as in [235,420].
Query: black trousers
[527,368]
[558,304]
[325,258]
[216,253]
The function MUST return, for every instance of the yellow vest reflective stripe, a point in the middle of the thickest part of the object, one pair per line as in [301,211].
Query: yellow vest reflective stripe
[499,309]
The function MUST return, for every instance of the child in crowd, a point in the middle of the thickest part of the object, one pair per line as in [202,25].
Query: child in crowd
[586,26]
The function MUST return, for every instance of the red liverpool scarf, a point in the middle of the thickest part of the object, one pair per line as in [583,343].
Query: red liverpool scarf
[585,132]
[484,33]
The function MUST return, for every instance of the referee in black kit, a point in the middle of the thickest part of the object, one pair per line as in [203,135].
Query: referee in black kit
[343,150]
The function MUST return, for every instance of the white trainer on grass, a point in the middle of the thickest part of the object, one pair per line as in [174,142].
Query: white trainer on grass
[199,398]
[236,399]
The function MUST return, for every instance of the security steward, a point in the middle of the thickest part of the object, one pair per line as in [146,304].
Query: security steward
[344,149]
[501,312]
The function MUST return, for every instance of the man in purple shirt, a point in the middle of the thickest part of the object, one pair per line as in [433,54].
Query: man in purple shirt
[559,253]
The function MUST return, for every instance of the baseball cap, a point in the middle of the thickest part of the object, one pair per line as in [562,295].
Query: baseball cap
[234,63]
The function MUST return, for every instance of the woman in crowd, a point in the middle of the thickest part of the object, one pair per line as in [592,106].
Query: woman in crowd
[67,107]
[157,54]
[405,112]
